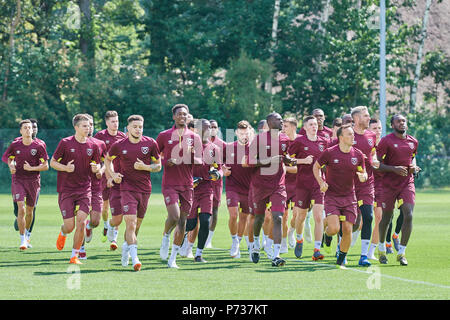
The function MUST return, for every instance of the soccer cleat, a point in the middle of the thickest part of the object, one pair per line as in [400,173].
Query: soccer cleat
[298,249]
[172,264]
[164,250]
[372,256]
[402,259]
[396,241]
[199,259]
[88,236]
[382,257]
[234,249]
[74,260]
[23,247]
[110,233]
[137,265]
[389,248]
[238,256]
[113,246]
[82,255]
[278,262]
[317,255]
[255,255]
[364,261]
[60,242]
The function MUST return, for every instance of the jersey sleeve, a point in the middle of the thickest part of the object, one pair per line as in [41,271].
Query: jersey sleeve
[114,151]
[8,154]
[43,156]
[294,149]
[59,152]
[382,149]
[323,159]
[154,151]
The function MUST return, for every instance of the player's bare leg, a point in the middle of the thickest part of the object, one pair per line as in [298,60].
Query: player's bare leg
[105,213]
[277,233]
[131,239]
[177,239]
[377,211]
[318,230]
[173,216]
[284,245]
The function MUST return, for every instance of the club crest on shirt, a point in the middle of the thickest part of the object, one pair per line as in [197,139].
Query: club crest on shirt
[327,136]
[283,147]
[395,145]
[300,203]
[144,150]
[18,152]
[370,142]
[170,141]
[354,161]
[33,152]
[89,151]
[189,141]
[321,147]
[411,145]
[124,151]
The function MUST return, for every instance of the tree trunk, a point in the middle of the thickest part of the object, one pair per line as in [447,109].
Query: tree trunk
[412,101]
[14,23]
[87,46]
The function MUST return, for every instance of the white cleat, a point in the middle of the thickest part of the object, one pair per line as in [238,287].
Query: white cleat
[172,264]
[284,248]
[164,250]
[184,248]
[234,249]
[110,233]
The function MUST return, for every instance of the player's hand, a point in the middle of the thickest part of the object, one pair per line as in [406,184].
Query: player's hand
[308,160]
[95,168]
[70,167]
[323,186]
[99,175]
[289,161]
[172,162]
[362,176]
[414,170]
[375,163]
[139,165]
[27,167]
[12,167]
[401,171]
[109,183]
[117,178]
[226,171]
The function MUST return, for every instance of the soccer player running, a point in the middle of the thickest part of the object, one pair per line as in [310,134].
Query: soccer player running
[26,158]
[365,141]
[290,129]
[306,150]
[237,185]
[180,149]
[202,207]
[109,136]
[342,162]
[217,185]
[75,158]
[267,152]
[397,153]
[138,155]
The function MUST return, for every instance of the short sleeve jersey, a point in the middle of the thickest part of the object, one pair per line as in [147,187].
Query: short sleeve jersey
[395,151]
[127,154]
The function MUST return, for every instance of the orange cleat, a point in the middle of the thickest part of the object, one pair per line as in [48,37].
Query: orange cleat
[113,246]
[60,242]
[23,247]
[137,266]
[74,260]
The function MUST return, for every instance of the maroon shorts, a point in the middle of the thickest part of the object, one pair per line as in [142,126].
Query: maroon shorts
[114,202]
[365,194]
[250,201]
[218,189]
[70,202]
[378,199]
[307,197]
[345,208]
[291,196]
[134,203]
[406,194]
[202,203]
[262,197]
[236,199]
[182,195]
[96,200]
[106,193]
[23,189]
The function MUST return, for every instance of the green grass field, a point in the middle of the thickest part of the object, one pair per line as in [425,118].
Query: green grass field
[42,272]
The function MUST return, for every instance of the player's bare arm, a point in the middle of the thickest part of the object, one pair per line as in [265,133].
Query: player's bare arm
[317,174]
[69,167]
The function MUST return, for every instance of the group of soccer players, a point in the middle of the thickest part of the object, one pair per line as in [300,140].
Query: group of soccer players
[345,177]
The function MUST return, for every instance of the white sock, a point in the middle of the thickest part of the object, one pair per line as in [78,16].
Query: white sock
[198,252]
[299,237]
[27,234]
[133,252]
[74,253]
[82,249]
[246,240]
[234,237]
[125,245]
[382,247]
[401,249]
[173,254]
[317,244]
[256,241]
[284,241]
[210,235]
[116,233]
[105,224]
[364,247]
[239,239]
[250,245]
[269,242]
[372,248]
[276,249]
[22,238]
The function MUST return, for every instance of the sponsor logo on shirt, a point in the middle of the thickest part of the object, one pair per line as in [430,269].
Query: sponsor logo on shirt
[283,147]
[72,150]
[18,152]
[336,160]
[107,141]
[395,145]
[170,141]
[306,148]
[124,151]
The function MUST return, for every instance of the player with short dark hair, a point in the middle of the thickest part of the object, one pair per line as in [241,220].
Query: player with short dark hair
[397,153]
[180,149]
[342,163]
[138,156]
[75,158]
[322,131]
[26,158]
[306,150]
